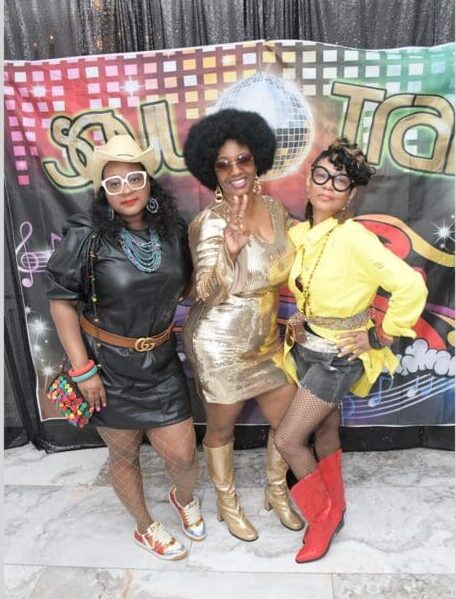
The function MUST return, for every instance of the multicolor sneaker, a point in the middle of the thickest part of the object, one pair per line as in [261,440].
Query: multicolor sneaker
[190,517]
[160,542]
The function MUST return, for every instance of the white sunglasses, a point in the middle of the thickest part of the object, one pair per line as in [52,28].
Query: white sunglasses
[114,185]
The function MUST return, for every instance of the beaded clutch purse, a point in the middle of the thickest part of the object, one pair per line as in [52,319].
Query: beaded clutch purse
[64,393]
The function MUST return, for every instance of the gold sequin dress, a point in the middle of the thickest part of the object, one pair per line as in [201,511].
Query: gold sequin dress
[231,335]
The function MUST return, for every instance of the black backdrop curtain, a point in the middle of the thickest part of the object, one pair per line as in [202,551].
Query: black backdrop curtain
[40,29]
[48,28]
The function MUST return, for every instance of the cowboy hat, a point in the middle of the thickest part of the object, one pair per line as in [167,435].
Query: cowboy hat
[121,148]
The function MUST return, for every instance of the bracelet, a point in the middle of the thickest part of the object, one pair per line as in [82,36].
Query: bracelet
[86,375]
[374,341]
[77,372]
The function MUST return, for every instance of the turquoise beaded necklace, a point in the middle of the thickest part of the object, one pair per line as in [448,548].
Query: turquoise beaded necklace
[144,255]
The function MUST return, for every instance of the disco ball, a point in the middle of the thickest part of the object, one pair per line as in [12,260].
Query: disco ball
[286,111]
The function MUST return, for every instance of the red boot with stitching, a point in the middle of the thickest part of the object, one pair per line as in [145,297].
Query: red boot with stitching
[331,472]
[323,518]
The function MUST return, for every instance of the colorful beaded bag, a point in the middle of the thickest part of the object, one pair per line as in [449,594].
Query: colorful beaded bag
[63,391]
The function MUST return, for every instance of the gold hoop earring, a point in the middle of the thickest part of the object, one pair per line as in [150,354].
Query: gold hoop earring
[257,185]
[218,194]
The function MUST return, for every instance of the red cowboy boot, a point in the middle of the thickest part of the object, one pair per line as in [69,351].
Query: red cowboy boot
[331,472]
[322,517]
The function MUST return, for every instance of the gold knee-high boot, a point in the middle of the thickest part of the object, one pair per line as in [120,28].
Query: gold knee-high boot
[220,469]
[276,493]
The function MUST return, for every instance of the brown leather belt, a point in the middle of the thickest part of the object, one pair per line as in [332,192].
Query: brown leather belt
[139,344]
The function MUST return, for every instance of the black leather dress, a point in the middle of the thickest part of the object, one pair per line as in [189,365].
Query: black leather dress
[144,389]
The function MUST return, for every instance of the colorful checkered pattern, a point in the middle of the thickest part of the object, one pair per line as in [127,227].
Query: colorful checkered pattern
[193,80]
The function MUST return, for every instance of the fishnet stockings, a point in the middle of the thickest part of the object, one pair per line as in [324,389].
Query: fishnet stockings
[176,444]
[306,414]
[125,472]
[326,438]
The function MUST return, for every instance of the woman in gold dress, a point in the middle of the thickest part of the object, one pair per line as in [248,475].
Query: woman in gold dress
[241,257]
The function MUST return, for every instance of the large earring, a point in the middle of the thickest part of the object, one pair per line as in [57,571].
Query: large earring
[257,185]
[218,195]
[152,205]
[111,214]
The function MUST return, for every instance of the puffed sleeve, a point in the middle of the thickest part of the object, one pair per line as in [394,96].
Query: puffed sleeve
[215,273]
[385,269]
[67,269]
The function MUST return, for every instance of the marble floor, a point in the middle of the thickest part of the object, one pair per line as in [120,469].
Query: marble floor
[67,537]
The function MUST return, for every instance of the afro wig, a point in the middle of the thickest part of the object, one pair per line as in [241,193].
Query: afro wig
[206,137]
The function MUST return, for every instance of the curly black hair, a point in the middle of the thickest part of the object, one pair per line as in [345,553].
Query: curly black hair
[208,135]
[163,221]
[342,154]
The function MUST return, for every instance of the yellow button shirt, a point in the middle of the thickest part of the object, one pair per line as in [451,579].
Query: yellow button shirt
[352,265]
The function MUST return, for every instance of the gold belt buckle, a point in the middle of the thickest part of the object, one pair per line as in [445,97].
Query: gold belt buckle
[144,344]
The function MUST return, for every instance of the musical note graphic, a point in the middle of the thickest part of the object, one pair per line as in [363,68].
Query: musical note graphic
[397,398]
[376,398]
[414,389]
[29,262]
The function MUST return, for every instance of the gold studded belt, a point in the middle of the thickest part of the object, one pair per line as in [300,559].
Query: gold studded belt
[339,324]
[140,344]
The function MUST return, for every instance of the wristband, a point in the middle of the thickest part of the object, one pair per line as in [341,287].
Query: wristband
[77,372]
[374,341]
[87,375]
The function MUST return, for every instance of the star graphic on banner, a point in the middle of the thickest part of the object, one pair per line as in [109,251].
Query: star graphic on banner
[131,86]
[38,327]
[444,232]
[39,91]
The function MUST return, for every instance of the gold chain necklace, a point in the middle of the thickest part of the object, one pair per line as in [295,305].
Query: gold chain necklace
[305,288]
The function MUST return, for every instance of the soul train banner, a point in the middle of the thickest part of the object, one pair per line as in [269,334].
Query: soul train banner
[397,104]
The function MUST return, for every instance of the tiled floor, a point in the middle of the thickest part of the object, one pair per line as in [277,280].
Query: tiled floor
[67,537]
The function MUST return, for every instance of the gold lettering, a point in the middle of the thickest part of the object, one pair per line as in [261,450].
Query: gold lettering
[441,123]
[70,134]
[158,125]
[358,95]
[378,129]
[437,114]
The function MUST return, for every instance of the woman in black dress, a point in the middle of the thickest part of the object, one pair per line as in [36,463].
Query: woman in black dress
[128,263]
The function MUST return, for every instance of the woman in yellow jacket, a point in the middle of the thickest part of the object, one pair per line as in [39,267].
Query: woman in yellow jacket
[332,346]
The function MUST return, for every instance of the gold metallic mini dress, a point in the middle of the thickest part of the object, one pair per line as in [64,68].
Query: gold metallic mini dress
[231,335]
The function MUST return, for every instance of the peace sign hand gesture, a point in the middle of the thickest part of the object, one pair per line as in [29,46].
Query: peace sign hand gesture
[235,234]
